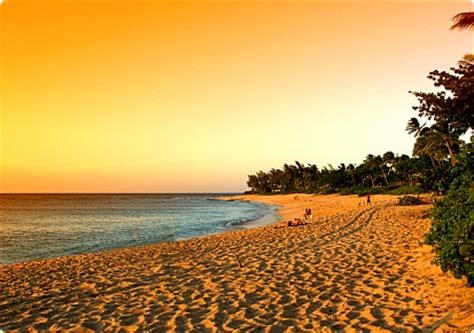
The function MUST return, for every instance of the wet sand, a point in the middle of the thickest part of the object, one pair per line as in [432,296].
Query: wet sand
[356,267]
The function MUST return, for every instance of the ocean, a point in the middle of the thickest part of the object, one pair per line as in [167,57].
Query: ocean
[37,226]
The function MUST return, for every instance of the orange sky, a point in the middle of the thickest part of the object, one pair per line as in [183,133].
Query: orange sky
[153,96]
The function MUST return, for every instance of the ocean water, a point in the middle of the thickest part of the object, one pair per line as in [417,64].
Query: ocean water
[36,226]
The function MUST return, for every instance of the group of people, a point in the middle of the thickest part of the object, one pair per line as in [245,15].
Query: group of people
[308,217]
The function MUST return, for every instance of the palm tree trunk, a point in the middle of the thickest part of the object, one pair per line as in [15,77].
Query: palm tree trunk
[432,162]
[384,176]
[451,152]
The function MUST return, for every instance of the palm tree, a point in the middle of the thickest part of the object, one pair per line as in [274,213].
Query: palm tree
[468,60]
[289,178]
[437,141]
[405,169]
[275,176]
[372,166]
[350,169]
[311,177]
[463,21]
[414,127]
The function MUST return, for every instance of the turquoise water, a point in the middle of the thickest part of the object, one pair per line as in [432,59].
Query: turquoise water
[36,226]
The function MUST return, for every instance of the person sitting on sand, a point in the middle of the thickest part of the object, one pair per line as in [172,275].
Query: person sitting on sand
[295,223]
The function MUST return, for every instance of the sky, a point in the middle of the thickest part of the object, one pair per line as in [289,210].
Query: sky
[193,96]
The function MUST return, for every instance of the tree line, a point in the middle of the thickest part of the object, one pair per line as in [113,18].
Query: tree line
[377,174]
[442,118]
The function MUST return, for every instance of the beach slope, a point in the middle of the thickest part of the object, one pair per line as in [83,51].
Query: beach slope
[356,266]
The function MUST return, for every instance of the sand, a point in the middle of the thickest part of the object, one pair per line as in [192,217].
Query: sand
[357,267]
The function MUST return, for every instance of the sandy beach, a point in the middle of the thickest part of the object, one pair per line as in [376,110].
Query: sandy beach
[356,267]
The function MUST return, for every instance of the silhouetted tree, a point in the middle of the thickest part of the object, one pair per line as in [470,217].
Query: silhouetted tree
[452,104]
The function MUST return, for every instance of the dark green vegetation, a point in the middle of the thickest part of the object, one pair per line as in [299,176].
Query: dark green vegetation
[451,112]
[441,162]
[408,200]
[377,174]
[452,232]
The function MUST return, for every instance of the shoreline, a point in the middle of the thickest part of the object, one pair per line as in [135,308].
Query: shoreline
[267,214]
[270,217]
[355,267]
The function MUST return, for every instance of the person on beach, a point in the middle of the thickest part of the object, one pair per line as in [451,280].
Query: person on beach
[368,200]
[307,214]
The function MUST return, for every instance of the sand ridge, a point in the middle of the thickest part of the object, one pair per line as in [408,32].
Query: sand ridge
[357,267]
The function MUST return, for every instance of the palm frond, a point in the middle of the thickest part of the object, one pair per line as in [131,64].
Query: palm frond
[468,59]
[463,21]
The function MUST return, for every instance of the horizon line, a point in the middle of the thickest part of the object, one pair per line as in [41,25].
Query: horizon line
[2,193]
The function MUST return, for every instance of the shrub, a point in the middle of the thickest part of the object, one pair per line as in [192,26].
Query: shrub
[328,190]
[363,191]
[405,189]
[408,200]
[346,191]
[452,231]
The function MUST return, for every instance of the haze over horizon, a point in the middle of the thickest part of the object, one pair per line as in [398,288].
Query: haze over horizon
[179,97]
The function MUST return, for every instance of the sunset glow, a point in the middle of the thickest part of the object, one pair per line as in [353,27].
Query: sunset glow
[193,96]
